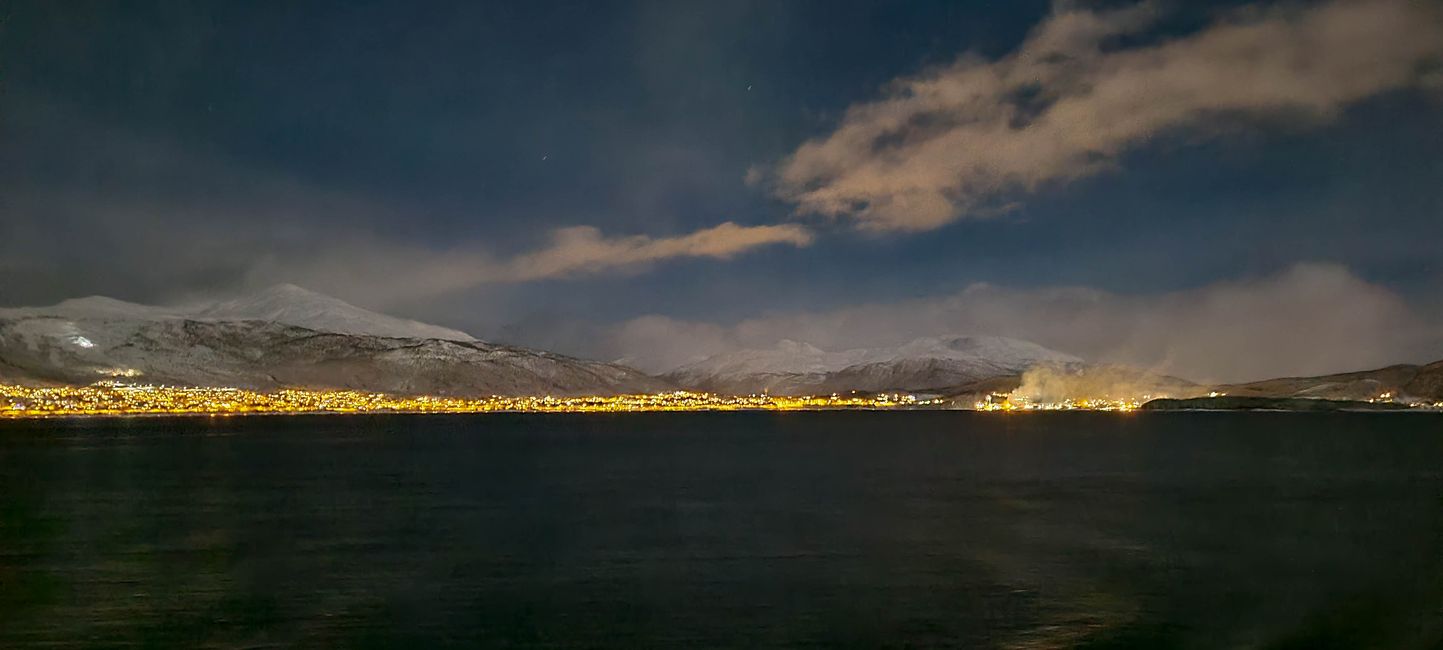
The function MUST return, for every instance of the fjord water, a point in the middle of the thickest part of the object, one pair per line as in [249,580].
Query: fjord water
[870,529]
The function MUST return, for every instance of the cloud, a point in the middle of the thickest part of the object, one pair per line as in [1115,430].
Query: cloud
[92,208]
[583,249]
[385,272]
[949,142]
[659,343]
[1309,319]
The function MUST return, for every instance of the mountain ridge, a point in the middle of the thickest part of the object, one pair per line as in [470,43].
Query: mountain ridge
[287,304]
[1423,381]
[792,367]
[255,341]
[293,305]
[287,336]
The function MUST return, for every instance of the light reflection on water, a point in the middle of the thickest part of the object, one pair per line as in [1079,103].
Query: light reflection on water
[743,530]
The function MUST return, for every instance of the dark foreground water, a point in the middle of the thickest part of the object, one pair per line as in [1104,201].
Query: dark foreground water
[1157,530]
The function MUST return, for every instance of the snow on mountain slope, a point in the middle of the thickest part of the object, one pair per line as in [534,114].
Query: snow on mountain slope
[94,308]
[926,363]
[264,355]
[292,305]
[286,304]
[284,337]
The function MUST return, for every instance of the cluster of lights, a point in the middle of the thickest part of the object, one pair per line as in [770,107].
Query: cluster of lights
[113,397]
[1010,402]
[116,398]
[1417,404]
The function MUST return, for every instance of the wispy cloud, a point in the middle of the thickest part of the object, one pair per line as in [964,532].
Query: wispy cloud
[584,249]
[171,222]
[1309,319]
[949,143]
[384,272]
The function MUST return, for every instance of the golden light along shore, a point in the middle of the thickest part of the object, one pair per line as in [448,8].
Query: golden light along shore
[1008,402]
[114,398]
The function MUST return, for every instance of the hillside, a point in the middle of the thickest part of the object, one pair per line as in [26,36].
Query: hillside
[921,365]
[1399,381]
[283,337]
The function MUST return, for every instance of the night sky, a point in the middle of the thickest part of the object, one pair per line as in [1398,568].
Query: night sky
[1221,191]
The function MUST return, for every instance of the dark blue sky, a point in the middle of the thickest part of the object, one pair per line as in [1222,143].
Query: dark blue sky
[159,150]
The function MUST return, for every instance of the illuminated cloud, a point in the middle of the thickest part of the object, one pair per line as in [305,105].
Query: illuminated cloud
[1309,319]
[954,142]
[382,273]
[584,249]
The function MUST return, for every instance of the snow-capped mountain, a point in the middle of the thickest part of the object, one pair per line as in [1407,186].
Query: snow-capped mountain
[279,337]
[922,364]
[292,305]
[286,304]
[94,308]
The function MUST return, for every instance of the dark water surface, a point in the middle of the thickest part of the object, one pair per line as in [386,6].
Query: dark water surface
[1147,530]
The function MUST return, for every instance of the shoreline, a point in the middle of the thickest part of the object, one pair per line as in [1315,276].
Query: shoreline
[31,417]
